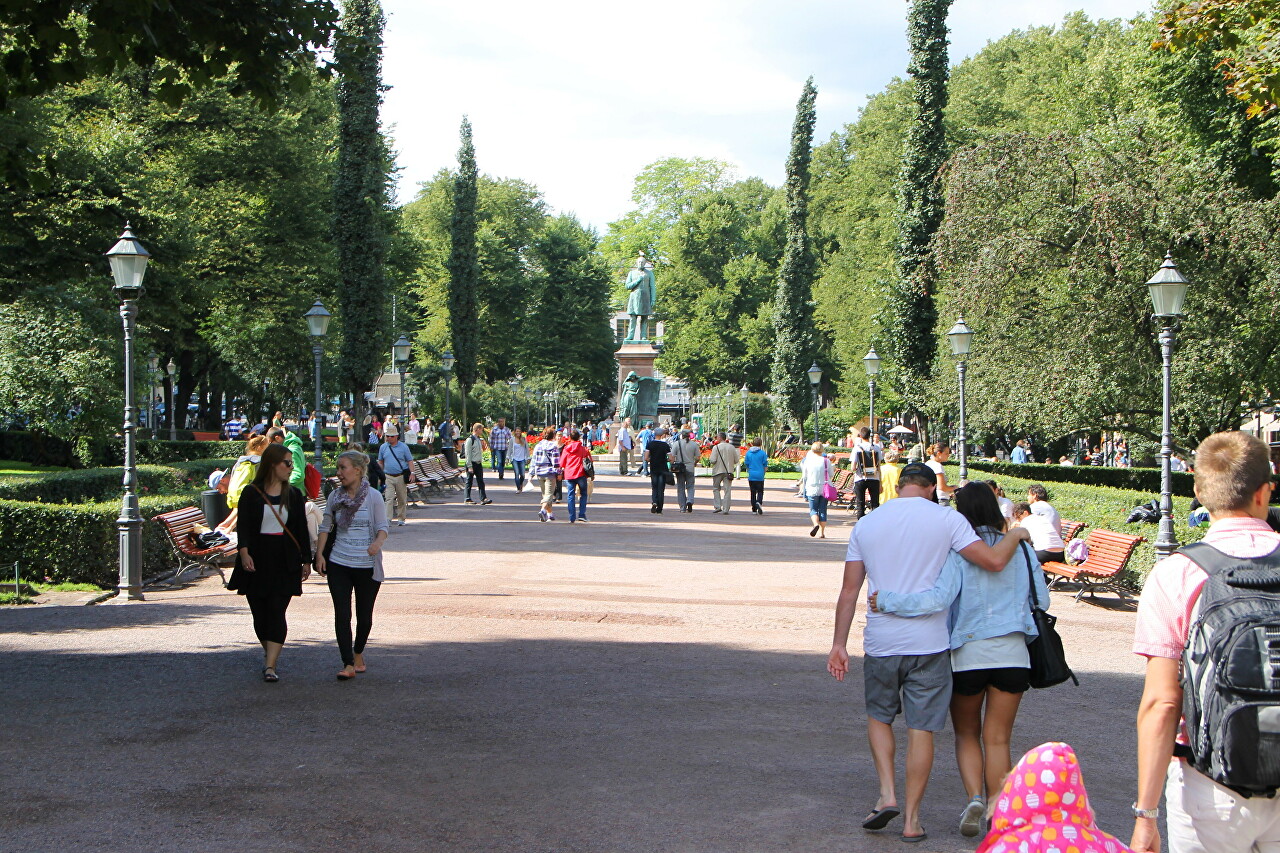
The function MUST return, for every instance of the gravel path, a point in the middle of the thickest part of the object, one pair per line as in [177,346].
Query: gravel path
[638,683]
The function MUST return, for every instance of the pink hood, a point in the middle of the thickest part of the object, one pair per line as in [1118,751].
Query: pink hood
[1044,808]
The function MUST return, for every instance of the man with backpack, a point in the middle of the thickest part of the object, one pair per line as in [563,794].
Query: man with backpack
[1209,619]
[867,459]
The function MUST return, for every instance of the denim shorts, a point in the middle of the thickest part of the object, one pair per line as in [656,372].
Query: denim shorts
[917,686]
[818,507]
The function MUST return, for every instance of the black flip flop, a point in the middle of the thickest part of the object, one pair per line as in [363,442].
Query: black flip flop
[814,531]
[880,818]
[269,675]
[913,839]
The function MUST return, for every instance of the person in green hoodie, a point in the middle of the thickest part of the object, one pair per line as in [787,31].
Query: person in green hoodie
[280,435]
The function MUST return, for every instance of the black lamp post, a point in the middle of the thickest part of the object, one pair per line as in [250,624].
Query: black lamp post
[513,384]
[871,362]
[815,379]
[153,372]
[128,259]
[172,370]
[318,325]
[1168,290]
[400,354]
[961,337]
[446,365]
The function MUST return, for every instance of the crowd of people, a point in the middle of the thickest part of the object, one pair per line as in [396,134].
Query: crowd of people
[951,576]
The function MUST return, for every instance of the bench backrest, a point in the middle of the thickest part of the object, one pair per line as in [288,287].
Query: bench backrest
[1070,529]
[1109,552]
[179,523]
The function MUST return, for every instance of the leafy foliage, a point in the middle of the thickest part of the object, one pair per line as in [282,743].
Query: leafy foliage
[1246,34]
[794,344]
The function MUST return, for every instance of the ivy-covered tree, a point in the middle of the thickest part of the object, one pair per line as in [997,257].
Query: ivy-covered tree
[464,269]
[912,313]
[794,345]
[360,197]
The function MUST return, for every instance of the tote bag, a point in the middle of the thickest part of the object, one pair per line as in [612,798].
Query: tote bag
[1048,660]
[828,491]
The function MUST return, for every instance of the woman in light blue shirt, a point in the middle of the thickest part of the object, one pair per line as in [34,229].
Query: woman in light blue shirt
[991,625]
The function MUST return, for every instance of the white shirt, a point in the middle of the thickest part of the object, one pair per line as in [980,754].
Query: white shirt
[1006,507]
[904,545]
[1044,508]
[871,471]
[1045,535]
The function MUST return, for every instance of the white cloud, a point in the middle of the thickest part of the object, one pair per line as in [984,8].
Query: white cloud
[576,97]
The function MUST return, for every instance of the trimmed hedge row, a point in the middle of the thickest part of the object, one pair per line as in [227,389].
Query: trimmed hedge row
[1135,479]
[94,484]
[78,543]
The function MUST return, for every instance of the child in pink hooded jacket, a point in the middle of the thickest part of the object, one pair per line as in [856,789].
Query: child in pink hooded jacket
[1043,808]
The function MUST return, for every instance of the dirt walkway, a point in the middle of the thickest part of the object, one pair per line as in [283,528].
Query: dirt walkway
[638,683]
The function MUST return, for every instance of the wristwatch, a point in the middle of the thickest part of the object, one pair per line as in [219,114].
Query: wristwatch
[1147,813]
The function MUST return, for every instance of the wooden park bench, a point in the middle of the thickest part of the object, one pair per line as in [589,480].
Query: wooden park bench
[178,527]
[1071,529]
[441,472]
[1109,553]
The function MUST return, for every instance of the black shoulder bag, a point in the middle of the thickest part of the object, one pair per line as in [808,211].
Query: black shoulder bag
[1048,660]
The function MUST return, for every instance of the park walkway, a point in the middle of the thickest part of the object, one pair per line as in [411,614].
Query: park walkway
[639,683]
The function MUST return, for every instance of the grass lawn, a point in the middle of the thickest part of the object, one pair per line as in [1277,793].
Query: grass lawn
[14,468]
[1100,506]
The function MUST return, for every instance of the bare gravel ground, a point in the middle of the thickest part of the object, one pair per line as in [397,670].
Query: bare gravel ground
[638,683]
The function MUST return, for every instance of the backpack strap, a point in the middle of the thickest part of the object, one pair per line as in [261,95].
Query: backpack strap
[1214,561]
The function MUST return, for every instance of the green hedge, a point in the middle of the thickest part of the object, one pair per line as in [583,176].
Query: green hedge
[106,452]
[95,484]
[78,543]
[38,449]
[1137,479]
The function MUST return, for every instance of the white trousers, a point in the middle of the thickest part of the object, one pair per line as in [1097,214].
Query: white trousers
[1205,817]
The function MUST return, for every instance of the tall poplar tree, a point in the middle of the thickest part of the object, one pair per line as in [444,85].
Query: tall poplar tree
[464,269]
[794,345]
[360,198]
[920,204]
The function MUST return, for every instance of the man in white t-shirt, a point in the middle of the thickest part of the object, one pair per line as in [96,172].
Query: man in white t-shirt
[1046,537]
[1006,505]
[907,666]
[1038,497]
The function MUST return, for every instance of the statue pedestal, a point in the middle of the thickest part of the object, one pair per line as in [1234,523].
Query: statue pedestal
[638,356]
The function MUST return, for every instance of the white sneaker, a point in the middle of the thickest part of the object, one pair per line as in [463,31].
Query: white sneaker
[971,817]
[401,523]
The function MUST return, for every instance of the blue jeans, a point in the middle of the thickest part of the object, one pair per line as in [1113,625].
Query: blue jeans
[499,461]
[517,470]
[818,507]
[579,485]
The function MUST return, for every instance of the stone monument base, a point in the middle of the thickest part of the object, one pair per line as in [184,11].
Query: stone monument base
[638,356]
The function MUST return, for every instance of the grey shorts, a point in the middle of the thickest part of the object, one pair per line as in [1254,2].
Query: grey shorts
[917,686]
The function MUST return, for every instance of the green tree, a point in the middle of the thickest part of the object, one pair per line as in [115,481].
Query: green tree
[794,344]
[464,270]
[1246,35]
[360,197]
[568,310]
[719,286]
[919,198]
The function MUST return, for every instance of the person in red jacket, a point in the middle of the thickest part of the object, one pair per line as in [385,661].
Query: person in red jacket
[573,457]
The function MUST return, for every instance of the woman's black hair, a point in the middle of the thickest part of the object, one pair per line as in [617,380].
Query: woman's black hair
[978,504]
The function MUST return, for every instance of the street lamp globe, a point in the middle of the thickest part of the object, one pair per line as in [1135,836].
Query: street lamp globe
[128,259]
[400,350]
[871,362]
[1168,289]
[171,368]
[317,320]
[744,392]
[447,361]
[153,363]
[815,375]
[961,337]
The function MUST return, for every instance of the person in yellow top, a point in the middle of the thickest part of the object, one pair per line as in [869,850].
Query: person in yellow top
[242,474]
[889,471]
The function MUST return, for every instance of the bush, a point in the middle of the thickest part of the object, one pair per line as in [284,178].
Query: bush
[95,484]
[78,543]
[38,448]
[1138,479]
[105,452]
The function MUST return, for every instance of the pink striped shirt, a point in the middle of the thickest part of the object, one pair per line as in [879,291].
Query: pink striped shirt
[1169,597]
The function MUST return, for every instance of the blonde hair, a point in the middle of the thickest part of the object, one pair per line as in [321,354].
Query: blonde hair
[816,447]
[358,460]
[255,445]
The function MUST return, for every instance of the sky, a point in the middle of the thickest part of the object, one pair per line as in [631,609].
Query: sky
[577,97]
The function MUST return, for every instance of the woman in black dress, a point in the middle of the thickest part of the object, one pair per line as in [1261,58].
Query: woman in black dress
[274,557]
[656,455]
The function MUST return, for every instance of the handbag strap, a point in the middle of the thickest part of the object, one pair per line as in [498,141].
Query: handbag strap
[1031,577]
[279,520]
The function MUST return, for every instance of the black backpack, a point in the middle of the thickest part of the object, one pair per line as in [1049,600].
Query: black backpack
[1231,672]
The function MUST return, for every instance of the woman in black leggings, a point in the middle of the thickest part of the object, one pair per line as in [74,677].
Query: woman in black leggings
[350,546]
[274,557]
